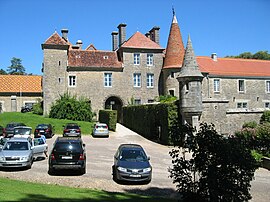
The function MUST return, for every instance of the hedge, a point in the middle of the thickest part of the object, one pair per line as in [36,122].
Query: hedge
[109,117]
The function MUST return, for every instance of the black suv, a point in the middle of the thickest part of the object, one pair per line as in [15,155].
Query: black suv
[68,153]
[72,129]
[44,129]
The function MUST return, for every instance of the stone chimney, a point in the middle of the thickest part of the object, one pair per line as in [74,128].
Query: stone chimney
[65,34]
[214,57]
[79,43]
[154,34]
[114,40]
[122,33]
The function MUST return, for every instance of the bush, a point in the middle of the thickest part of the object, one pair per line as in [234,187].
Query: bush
[265,117]
[109,117]
[220,169]
[68,107]
[251,124]
[38,108]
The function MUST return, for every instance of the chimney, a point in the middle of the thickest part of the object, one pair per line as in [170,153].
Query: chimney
[79,43]
[122,33]
[214,57]
[114,40]
[147,35]
[154,34]
[65,34]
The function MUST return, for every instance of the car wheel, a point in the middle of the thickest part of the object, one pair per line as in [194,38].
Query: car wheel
[51,171]
[83,170]
[114,174]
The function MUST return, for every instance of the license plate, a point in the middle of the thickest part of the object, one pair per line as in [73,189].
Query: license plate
[41,131]
[66,157]
[135,175]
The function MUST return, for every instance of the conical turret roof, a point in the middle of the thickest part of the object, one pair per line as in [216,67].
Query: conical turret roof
[175,47]
[190,66]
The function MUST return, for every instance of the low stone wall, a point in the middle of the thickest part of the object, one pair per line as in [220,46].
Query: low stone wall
[266,163]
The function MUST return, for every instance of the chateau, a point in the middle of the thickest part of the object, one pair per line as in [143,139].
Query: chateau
[224,91]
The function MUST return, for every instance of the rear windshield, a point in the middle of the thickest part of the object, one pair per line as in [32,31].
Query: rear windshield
[72,127]
[22,131]
[16,146]
[67,146]
[101,126]
[42,126]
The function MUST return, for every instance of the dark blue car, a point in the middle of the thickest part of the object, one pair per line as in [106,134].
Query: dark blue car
[131,164]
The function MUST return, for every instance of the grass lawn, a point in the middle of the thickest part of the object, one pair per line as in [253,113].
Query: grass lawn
[33,120]
[14,190]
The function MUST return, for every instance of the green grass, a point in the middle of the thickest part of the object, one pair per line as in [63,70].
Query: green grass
[14,190]
[33,120]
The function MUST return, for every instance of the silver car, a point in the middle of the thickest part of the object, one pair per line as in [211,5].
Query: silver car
[20,152]
[101,129]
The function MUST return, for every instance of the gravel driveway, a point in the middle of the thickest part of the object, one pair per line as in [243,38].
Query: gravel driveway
[100,152]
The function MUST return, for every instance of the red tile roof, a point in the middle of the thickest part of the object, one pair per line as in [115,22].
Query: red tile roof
[234,67]
[20,83]
[90,58]
[175,48]
[139,40]
[56,39]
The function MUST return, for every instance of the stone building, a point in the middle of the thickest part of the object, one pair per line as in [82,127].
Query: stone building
[224,91]
[17,91]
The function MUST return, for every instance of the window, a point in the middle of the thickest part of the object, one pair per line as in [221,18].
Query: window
[136,58]
[216,85]
[137,80]
[172,75]
[137,101]
[267,104]
[150,101]
[108,79]
[241,86]
[150,61]
[242,105]
[268,86]
[72,81]
[150,80]
[171,92]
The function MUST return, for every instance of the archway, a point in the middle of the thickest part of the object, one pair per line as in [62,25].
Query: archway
[115,103]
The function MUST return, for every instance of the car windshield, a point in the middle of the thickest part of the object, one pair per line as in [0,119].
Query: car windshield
[16,146]
[132,155]
[67,146]
[22,131]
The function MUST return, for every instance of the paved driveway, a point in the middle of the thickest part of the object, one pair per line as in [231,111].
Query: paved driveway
[100,152]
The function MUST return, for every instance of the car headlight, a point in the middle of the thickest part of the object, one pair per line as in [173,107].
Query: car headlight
[145,170]
[122,169]
[24,158]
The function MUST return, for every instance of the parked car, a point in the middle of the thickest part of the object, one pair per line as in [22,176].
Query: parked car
[22,131]
[19,152]
[44,129]
[9,129]
[72,129]
[101,129]
[26,109]
[68,153]
[131,164]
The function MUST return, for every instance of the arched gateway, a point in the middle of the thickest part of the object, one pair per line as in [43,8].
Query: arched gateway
[115,103]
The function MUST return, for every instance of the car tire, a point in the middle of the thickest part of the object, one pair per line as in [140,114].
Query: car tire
[51,171]
[83,170]
[114,174]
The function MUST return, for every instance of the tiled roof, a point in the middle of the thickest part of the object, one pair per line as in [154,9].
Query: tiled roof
[139,40]
[56,39]
[20,83]
[90,58]
[175,48]
[234,67]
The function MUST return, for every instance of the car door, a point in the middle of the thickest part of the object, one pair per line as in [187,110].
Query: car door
[39,146]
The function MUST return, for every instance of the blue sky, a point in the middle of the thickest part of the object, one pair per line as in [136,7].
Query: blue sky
[226,27]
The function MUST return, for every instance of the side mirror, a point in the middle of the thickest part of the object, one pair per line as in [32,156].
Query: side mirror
[116,157]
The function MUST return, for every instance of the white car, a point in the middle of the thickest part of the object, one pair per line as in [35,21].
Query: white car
[101,129]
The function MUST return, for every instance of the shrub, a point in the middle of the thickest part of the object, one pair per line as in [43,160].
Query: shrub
[68,107]
[38,108]
[251,124]
[109,117]
[265,117]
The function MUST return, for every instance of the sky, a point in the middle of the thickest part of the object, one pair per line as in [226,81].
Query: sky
[225,27]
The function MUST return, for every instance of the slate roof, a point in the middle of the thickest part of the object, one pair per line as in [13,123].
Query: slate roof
[20,83]
[56,39]
[93,58]
[139,40]
[234,67]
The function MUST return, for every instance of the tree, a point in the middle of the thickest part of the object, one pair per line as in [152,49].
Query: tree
[220,169]
[3,72]
[260,55]
[16,67]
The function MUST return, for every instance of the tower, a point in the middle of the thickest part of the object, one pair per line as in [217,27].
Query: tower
[190,88]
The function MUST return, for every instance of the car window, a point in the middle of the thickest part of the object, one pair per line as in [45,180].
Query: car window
[38,141]
[16,146]
[133,155]
[42,126]
[72,127]
[102,127]
[22,131]
[67,146]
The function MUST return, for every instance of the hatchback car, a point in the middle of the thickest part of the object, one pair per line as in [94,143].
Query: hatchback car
[68,153]
[72,129]
[22,131]
[9,129]
[131,164]
[101,129]
[44,129]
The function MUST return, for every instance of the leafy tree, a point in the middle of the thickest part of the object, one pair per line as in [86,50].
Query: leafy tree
[166,98]
[16,67]
[265,117]
[3,72]
[38,107]
[220,169]
[69,107]
[260,55]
